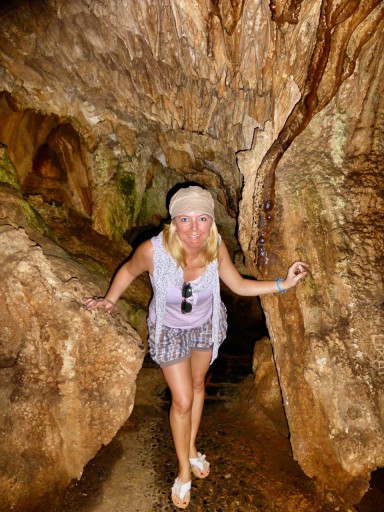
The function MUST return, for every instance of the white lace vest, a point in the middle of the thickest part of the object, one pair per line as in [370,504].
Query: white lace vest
[165,269]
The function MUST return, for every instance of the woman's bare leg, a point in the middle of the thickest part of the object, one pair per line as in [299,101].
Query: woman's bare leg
[179,379]
[199,367]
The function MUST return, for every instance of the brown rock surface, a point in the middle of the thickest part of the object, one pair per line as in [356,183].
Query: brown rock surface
[107,105]
[67,376]
[265,401]
[328,333]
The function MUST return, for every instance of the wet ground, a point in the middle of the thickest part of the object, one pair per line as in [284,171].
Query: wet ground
[252,469]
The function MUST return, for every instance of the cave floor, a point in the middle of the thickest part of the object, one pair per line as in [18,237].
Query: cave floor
[252,468]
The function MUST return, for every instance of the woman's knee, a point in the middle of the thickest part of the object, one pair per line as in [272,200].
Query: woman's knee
[182,403]
[198,383]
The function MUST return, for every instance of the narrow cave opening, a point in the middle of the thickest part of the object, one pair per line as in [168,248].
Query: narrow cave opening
[246,325]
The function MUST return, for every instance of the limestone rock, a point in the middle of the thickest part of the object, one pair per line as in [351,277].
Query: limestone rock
[276,107]
[265,401]
[328,333]
[67,375]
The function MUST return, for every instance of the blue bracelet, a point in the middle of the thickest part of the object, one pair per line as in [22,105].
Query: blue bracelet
[278,285]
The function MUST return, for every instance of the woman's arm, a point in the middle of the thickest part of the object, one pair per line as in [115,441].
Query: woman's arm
[141,261]
[249,287]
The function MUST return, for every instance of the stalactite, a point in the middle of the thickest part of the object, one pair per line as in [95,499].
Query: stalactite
[229,12]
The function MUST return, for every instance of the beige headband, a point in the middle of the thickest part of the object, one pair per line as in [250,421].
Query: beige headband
[191,199]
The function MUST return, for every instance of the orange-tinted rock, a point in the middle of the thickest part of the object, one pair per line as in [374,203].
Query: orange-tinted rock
[265,401]
[67,375]
[277,103]
[328,333]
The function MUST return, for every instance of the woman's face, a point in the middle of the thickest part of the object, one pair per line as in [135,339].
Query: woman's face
[193,229]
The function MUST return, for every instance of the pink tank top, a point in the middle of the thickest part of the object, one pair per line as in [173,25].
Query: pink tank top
[201,307]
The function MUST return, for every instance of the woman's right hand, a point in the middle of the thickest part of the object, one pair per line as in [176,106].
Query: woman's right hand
[98,302]
[298,270]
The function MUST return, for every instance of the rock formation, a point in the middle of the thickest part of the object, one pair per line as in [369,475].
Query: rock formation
[264,400]
[277,108]
[67,375]
[328,334]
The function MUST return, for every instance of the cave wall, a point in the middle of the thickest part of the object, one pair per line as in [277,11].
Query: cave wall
[276,108]
[327,334]
[67,376]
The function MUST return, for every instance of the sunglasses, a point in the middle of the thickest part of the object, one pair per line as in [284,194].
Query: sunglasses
[186,292]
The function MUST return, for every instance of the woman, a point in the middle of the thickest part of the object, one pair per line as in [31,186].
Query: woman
[187,320]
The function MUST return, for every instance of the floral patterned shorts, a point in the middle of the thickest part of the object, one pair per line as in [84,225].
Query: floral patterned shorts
[176,345]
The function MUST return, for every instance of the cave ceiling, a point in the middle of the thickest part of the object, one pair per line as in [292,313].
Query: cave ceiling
[210,91]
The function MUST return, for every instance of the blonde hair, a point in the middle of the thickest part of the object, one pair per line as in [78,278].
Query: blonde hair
[209,250]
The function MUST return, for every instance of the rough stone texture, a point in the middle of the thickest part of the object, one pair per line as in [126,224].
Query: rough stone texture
[328,334]
[349,37]
[67,376]
[108,104]
[264,400]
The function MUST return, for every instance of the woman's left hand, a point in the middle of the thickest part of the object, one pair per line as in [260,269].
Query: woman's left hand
[98,302]
[298,270]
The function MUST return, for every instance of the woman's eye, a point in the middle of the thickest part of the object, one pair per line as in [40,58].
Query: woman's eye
[202,219]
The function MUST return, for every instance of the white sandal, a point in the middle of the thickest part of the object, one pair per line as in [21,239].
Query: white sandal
[199,466]
[181,493]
